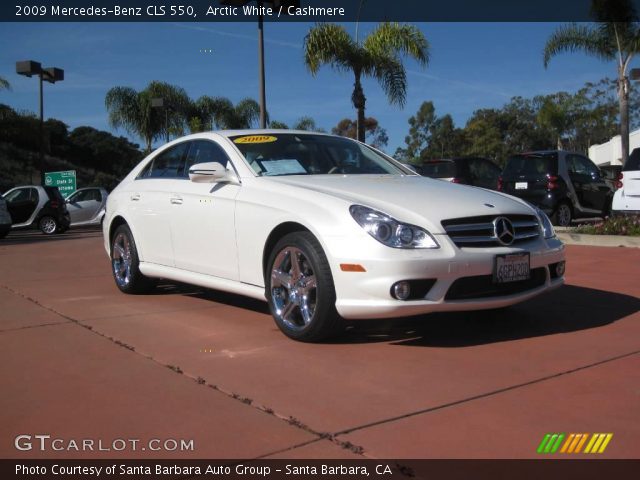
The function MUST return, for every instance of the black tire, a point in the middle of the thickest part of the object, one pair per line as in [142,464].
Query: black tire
[323,322]
[3,234]
[48,225]
[128,280]
[562,215]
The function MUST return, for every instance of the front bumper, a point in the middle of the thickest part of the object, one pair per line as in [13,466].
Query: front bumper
[362,295]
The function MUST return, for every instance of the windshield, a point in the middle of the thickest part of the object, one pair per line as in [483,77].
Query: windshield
[301,154]
[444,169]
[532,164]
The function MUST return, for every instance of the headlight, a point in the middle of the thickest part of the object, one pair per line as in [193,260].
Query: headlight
[545,224]
[390,231]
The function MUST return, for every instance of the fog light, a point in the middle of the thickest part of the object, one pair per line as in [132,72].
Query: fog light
[560,269]
[401,290]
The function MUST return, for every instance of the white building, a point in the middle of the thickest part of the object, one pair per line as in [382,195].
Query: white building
[610,153]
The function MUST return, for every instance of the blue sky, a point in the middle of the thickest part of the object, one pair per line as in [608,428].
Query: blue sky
[473,65]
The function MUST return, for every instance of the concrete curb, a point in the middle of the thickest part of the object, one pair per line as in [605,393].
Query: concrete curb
[571,238]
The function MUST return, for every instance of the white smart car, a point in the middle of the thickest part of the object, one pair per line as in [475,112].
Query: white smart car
[323,228]
[626,200]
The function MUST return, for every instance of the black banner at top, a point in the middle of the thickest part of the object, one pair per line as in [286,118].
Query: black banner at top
[299,10]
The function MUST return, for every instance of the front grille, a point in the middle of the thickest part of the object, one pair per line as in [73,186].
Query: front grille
[482,286]
[479,231]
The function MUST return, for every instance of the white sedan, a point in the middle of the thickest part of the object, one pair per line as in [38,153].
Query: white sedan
[325,228]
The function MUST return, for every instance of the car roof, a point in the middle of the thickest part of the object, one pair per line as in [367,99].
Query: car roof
[267,131]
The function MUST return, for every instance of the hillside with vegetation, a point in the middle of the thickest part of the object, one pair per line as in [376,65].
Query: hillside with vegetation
[98,157]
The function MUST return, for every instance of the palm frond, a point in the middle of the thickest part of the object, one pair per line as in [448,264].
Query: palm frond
[391,75]
[4,84]
[395,39]
[123,109]
[573,37]
[328,44]
[247,113]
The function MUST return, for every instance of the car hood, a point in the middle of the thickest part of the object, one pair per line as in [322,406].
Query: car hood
[414,199]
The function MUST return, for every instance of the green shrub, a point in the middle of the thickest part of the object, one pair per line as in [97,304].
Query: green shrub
[618,225]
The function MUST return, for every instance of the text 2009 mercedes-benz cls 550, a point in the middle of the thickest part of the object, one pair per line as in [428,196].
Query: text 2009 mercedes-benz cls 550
[325,228]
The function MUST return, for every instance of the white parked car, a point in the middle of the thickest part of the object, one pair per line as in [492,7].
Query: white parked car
[626,200]
[324,228]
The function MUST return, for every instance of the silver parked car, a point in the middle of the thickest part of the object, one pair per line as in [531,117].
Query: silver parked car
[87,206]
[5,218]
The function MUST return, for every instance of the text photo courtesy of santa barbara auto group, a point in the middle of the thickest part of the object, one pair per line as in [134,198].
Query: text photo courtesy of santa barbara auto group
[330,239]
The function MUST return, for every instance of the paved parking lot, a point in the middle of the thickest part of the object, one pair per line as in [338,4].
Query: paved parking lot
[81,360]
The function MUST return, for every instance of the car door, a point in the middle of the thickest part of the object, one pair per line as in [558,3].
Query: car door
[591,189]
[84,204]
[150,205]
[22,203]
[203,218]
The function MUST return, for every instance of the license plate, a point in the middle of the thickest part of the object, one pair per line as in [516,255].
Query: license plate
[513,267]
[522,185]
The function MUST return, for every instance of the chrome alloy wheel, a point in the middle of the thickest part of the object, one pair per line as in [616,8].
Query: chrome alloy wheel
[293,288]
[48,225]
[121,259]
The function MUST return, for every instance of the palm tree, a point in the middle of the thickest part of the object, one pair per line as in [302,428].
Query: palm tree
[220,112]
[614,36]
[132,110]
[4,84]
[377,56]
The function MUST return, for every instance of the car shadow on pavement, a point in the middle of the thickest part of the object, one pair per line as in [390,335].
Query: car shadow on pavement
[568,309]
[217,296]
[25,237]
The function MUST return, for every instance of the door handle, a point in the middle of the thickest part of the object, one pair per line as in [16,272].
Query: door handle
[176,200]
[135,197]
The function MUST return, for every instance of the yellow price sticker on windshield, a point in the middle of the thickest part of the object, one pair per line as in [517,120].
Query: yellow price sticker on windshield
[256,139]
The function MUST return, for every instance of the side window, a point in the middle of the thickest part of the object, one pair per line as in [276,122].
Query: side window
[581,165]
[203,151]
[81,196]
[169,164]
[20,195]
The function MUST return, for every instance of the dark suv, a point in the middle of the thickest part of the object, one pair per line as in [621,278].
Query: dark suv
[476,171]
[565,185]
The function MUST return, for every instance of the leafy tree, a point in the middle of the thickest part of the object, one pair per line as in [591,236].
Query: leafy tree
[132,110]
[555,115]
[221,113]
[376,135]
[102,151]
[431,136]
[614,36]
[377,56]
[4,84]
[277,124]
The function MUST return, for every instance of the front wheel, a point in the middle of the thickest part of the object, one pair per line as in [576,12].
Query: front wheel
[125,264]
[48,225]
[300,289]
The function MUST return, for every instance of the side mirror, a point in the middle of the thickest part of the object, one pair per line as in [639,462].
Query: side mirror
[210,172]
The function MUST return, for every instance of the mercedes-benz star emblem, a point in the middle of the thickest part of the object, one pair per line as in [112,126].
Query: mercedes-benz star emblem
[504,231]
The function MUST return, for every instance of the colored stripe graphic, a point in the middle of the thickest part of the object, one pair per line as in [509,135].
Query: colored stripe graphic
[550,443]
[573,443]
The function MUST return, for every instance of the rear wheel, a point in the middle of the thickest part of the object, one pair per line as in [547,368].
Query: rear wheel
[125,263]
[563,215]
[300,289]
[48,225]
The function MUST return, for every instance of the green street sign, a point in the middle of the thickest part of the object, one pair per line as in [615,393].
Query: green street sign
[65,181]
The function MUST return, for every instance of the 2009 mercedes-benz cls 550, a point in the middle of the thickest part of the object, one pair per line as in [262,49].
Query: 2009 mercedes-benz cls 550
[324,228]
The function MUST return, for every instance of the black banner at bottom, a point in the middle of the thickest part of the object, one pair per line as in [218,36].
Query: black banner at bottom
[319,469]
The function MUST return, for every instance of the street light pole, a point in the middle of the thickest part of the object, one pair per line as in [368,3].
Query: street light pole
[28,68]
[263,99]
[41,150]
